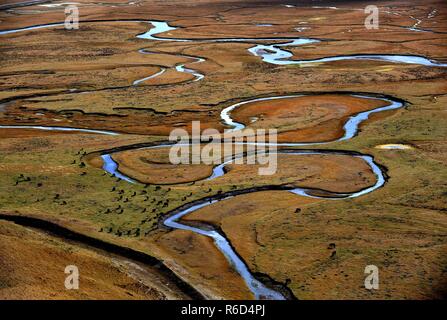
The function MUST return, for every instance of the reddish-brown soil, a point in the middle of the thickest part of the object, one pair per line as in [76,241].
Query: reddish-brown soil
[84,78]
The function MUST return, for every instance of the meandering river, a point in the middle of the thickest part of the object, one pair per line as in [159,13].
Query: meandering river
[173,220]
[270,50]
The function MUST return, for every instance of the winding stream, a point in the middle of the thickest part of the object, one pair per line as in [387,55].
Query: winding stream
[274,54]
[270,53]
[173,220]
[162,70]
[52,128]
[351,128]
[408,59]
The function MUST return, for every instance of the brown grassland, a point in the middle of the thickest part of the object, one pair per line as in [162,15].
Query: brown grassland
[317,248]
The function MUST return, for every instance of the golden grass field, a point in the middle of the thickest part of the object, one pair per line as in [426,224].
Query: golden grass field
[316,248]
